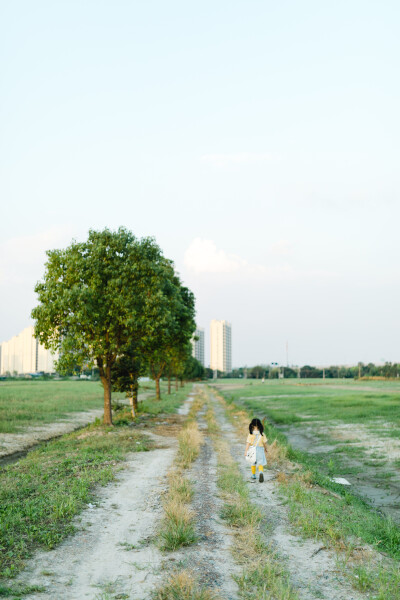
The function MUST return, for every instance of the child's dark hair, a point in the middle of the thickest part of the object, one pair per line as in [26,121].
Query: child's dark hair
[256,423]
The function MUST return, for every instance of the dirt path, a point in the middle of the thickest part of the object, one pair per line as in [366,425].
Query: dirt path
[209,559]
[112,554]
[312,568]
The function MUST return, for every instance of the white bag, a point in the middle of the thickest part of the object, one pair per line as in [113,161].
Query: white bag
[251,454]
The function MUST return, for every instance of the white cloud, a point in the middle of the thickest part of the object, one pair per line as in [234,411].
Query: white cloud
[203,256]
[223,160]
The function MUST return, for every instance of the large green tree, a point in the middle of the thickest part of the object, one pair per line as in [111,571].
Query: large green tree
[97,297]
[172,324]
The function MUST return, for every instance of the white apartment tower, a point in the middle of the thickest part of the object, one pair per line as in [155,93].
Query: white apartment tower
[198,345]
[23,354]
[221,346]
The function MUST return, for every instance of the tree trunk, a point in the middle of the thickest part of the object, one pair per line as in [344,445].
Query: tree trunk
[106,381]
[132,406]
[158,394]
[169,384]
[176,383]
[135,396]
[133,400]
[181,382]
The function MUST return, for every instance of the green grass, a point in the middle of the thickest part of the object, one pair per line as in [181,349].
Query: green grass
[29,402]
[24,403]
[40,495]
[335,520]
[294,401]
[168,403]
[18,591]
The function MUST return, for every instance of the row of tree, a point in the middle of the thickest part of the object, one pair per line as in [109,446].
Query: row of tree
[116,302]
[388,369]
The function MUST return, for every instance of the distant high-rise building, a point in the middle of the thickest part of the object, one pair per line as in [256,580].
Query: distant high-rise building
[198,345]
[23,354]
[221,346]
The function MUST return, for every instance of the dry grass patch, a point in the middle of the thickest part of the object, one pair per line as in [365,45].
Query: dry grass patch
[182,586]
[190,440]
[170,427]
[178,528]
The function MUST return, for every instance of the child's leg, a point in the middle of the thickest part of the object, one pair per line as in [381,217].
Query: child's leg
[253,469]
[260,468]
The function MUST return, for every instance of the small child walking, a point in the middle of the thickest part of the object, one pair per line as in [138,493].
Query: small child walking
[257,438]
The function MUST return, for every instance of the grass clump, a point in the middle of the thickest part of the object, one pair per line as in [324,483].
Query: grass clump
[189,440]
[182,586]
[179,528]
[18,591]
[268,578]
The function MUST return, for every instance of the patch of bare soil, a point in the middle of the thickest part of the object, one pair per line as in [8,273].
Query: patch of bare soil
[367,479]
[11,443]
[312,567]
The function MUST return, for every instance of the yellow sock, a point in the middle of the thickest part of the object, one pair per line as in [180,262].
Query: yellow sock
[253,469]
[260,468]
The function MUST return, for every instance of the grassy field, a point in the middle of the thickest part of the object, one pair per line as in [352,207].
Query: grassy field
[293,401]
[336,428]
[30,402]
[321,509]
[41,493]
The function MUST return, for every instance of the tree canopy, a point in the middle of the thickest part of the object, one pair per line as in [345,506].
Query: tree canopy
[101,298]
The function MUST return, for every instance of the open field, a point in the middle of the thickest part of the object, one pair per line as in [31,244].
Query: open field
[43,410]
[33,402]
[163,507]
[29,402]
[342,428]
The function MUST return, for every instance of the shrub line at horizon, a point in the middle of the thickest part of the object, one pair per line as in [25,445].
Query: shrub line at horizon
[110,297]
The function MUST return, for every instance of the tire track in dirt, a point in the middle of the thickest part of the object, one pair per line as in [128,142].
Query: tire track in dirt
[113,553]
[209,560]
[312,568]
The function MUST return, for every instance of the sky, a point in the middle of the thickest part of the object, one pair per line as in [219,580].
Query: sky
[257,141]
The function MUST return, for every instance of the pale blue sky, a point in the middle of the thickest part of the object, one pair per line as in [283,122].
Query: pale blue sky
[257,141]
